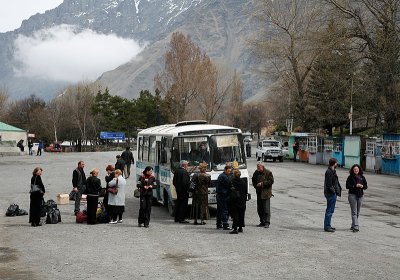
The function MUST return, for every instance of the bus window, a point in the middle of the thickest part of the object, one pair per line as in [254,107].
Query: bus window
[226,150]
[145,145]
[140,148]
[152,154]
[193,149]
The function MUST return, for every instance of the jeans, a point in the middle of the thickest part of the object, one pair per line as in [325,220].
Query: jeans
[222,210]
[264,209]
[78,197]
[355,206]
[127,170]
[330,208]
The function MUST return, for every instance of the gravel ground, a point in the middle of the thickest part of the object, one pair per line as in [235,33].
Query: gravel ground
[295,247]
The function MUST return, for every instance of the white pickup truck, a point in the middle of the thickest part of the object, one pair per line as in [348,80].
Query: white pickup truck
[269,149]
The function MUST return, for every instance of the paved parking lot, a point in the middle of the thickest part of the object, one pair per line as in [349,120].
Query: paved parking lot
[294,247]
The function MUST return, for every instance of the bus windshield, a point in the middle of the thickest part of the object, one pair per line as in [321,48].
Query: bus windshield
[226,149]
[217,151]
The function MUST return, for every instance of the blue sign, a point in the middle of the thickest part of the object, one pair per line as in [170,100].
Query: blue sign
[112,135]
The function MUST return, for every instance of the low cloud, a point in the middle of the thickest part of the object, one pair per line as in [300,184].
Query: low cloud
[66,53]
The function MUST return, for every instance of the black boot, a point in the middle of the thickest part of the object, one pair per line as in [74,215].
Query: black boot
[234,231]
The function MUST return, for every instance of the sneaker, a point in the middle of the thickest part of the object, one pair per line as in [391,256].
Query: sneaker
[240,230]
[356,230]
[266,226]
[219,227]
[233,232]
[113,222]
[120,221]
[139,225]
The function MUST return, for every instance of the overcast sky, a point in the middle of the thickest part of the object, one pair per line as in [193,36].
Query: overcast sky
[62,53]
[13,12]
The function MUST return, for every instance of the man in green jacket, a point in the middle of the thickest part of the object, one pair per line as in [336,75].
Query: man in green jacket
[262,182]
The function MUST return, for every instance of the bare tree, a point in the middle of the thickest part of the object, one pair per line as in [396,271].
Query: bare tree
[179,81]
[288,43]
[3,103]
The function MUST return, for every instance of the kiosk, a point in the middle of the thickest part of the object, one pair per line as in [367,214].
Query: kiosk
[391,154]
[315,149]
[352,151]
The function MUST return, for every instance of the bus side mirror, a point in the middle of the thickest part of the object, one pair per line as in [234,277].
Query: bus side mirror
[163,156]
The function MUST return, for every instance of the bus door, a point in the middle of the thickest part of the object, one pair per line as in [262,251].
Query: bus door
[157,165]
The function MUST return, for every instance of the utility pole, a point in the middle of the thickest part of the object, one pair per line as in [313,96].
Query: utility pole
[351,106]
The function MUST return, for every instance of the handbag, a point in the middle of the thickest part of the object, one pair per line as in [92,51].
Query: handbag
[114,190]
[136,193]
[35,188]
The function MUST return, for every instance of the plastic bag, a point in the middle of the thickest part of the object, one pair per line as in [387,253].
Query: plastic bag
[12,210]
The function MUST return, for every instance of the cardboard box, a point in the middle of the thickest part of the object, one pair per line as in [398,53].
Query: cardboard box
[63,198]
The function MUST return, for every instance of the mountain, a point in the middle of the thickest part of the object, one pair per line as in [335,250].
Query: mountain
[222,28]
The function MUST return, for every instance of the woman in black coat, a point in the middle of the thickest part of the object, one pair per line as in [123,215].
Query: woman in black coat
[36,197]
[147,184]
[356,184]
[93,188]
[237,202]
[109,177]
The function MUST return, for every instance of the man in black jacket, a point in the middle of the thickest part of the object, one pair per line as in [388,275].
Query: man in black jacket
[181,182]
[127,156]
[120,164]
[78,184]
[332,190]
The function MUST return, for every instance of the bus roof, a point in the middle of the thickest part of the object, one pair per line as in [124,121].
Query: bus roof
[174,130]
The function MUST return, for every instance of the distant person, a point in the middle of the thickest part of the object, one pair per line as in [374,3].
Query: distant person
[116,201]
[127,156]
[202,154]
[147,184]
[223,187]
[78,184]
[36,196]
[202,182]
[295,149]
[262,181]
[181,182]
[93,188]
[20,145]
[356,184]
[332,190]
[120,164]
[237,202]
[40,148]
[30,146]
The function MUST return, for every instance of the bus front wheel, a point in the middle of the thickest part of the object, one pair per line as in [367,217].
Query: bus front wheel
[169,204]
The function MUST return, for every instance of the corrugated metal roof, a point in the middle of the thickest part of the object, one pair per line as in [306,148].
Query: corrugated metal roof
[7,127]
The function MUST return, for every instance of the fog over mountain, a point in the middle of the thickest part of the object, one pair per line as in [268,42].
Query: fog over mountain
[121,44]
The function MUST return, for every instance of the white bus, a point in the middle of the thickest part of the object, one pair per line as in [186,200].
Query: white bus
[163,147]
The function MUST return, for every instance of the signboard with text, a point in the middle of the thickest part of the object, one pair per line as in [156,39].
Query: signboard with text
[112,135]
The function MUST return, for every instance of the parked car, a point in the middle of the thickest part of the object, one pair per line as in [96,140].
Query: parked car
[269,149]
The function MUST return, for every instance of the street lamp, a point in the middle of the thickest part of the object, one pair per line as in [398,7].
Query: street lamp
[351,105]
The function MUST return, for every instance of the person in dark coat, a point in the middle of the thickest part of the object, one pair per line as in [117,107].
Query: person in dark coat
[30,146]
[237,202]
[93,188]
[295,149]
[120,164]
[263,180]
[181,182]
[127,156]
[78,184]
[223,187]
[332,190]
[109,177]
[36,197]
[147,184]
[356,184]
